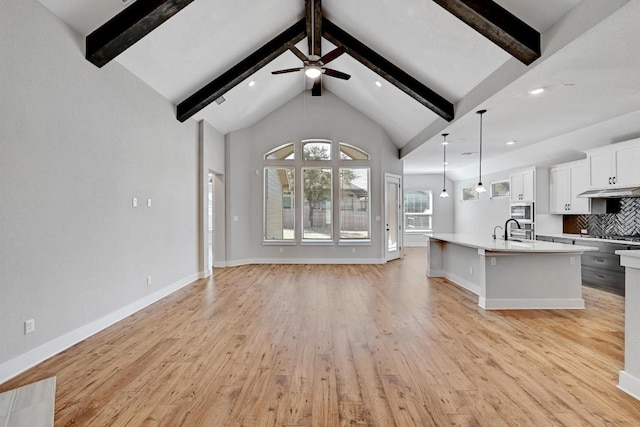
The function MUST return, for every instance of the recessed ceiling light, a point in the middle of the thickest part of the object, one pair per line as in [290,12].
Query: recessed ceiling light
[536,91]
[378,83]
[252,83]
[511,142]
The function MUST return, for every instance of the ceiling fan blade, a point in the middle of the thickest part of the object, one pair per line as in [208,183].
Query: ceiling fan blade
[297,52]
[336,74]
[316,90]
[288,70]
[332,55]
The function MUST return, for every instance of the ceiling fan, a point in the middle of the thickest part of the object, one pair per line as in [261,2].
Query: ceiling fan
[314,64]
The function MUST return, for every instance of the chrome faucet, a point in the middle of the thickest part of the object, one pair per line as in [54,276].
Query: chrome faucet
[506,228]
[494,231]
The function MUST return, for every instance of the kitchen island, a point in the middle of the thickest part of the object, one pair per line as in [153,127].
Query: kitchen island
[629,379]
[510,274]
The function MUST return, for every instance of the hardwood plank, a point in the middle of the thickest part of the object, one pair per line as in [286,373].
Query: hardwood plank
[300,345]
[324,409]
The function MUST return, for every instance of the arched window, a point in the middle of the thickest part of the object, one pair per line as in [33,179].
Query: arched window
[350,152]
[283,152]
[303,187]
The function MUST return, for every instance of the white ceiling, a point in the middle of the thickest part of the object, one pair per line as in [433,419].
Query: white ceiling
[591,74]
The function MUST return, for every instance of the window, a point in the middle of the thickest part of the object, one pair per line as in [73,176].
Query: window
[349,152]
[500,188]
[418,211]
[284,152]
[316,212]
[470,193]
[279,217]
[316,149]
[354,203]
[317,172]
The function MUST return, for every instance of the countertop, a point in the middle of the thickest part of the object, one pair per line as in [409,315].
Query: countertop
[592,239]
[500,245]
[634,253]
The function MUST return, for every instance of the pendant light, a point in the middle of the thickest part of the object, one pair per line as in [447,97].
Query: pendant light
[444,193]
[480,188]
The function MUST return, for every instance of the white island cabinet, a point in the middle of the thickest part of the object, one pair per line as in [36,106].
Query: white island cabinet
[629,379]
[510,274]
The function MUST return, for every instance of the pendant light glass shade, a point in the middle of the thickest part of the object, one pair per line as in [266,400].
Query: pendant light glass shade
[480,188]
[444,193]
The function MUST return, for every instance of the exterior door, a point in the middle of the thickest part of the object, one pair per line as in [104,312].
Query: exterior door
[393,216]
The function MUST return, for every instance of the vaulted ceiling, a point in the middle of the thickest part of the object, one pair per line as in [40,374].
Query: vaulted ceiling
[435,61]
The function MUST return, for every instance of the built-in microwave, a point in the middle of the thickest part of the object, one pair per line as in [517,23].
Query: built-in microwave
[523,212]
[526,230]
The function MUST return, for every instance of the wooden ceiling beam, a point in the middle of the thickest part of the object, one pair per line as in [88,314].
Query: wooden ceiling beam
[313,16]
[239,72]
[498,25]
[388,71]
[126,28]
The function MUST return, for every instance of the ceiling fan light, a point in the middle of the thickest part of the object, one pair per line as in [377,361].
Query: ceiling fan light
[313,72]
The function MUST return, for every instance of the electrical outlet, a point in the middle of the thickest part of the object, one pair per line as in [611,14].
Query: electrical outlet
[148,280]
[470,270]
[148,203]
[134,202]
[572,260]
[493,261]
[29,326]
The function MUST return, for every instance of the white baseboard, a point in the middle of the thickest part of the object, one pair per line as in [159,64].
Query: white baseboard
[17,365]
[462,282]
[530,304]
[629,384]
[239,262]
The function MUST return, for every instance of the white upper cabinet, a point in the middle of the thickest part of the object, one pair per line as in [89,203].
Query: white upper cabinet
[566,182]
[615,165]
[522,184]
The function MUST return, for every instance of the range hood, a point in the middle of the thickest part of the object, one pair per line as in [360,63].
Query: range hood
[612,193]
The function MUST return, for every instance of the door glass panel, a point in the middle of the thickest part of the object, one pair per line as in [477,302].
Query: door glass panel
[392,217]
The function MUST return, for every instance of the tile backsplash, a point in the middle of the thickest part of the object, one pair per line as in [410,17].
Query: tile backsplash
[624,223]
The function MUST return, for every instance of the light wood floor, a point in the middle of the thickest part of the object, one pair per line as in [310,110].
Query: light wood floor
[342,345]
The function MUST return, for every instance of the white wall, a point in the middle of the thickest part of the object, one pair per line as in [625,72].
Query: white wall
[303,117]
[443,209]
[480,216]
[77,143]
